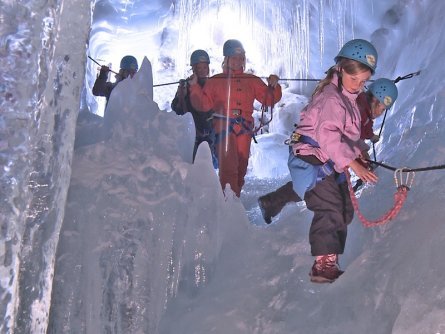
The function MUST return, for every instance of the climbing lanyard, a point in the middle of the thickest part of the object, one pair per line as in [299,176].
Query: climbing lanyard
[402,186]
[264,109]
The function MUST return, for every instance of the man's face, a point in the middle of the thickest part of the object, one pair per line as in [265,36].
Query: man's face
[236,62]
[127,73]
[201,70]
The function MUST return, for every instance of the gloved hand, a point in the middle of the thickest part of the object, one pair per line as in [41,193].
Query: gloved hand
[105,69]
[375,139]
[273,80]
[183,83]
[103,74]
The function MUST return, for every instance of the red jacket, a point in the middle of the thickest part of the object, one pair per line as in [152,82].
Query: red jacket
[367,122]
[233,95]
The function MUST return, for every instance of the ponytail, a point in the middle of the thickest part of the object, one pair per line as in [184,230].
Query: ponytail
[326,81]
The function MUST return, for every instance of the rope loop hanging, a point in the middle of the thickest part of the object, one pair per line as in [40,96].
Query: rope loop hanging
[402,185]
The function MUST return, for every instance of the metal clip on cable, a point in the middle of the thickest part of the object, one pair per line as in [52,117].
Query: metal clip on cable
[294,138]
[400,181]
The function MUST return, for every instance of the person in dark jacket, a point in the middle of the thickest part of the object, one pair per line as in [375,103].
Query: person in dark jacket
[380,96]
[199,60]
[103,87]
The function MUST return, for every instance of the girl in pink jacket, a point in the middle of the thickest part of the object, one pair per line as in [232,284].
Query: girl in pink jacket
[325,142]
[379,97]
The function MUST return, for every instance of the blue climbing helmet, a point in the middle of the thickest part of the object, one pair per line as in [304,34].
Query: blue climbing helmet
[199,56]
[232,47]
[385,91]
[129,63]
[361,51]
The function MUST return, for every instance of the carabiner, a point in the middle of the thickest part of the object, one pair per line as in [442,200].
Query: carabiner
[400,182]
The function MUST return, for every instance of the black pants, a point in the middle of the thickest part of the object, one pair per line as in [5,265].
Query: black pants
[209,137]
[333,212]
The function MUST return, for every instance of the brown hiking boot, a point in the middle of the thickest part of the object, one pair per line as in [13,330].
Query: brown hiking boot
[272,203]
[325,269]
[265,204]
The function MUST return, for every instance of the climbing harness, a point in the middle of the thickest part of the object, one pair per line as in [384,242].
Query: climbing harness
[402,186]
[323,169]
[246,126]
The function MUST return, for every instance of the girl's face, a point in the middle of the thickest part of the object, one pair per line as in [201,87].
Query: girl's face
[377,108]
[354,83]
[236,62]
[201,70]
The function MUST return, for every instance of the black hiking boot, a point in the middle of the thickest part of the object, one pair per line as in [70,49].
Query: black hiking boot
[272,203]
[265,204]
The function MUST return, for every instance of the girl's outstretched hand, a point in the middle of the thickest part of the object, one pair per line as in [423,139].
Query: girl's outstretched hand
[362,172]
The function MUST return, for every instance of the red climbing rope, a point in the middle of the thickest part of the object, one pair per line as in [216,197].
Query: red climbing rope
[399,198]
